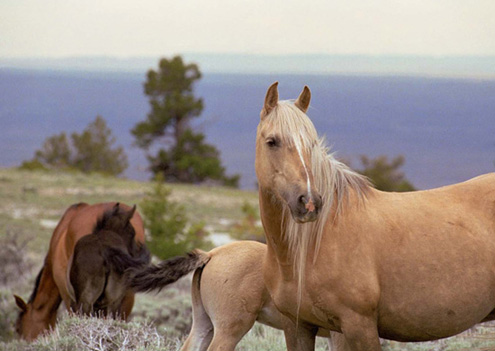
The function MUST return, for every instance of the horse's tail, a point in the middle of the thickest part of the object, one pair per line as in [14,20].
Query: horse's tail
[156,277]
[120,261]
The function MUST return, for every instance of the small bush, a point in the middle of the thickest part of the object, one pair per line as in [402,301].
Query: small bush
[170,310]
[13,258]
[32,165]
[14,265]
[171,234]
[90,151]
[8,315]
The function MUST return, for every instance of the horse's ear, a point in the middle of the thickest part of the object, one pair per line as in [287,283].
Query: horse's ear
[116,208]
[20,303]
[271,100]
[131,213]
[304,99]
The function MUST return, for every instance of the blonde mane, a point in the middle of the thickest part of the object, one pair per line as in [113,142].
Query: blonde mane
[333,179]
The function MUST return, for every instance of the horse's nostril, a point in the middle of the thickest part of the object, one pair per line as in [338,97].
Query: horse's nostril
[302,199]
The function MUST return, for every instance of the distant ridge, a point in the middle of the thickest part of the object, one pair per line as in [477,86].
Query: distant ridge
[443,66]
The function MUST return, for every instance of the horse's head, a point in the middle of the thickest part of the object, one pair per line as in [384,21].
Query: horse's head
[284,143]
[29,325]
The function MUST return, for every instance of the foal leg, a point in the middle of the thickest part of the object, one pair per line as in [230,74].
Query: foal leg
[202,328]
[201,332]
[226,336]
[200,336]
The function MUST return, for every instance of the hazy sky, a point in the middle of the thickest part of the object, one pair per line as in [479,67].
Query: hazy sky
[55,28]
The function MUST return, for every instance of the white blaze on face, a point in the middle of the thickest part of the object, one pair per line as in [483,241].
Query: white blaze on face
[297,143]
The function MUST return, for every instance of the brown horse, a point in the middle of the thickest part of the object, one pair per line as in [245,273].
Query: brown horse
[228,294]
[346,257]
[85,271]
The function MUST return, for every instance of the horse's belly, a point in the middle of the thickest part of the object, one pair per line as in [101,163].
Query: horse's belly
[427,314]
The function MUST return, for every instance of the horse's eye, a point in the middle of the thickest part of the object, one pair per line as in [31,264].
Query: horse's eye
[272,142]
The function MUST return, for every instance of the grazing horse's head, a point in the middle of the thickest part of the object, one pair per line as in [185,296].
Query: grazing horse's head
[30,322]
[284,144]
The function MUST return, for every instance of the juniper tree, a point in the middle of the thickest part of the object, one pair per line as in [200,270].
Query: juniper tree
[183,156]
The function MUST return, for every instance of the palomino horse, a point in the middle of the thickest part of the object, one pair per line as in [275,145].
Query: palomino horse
[346,257]
[86,271]
[228,293]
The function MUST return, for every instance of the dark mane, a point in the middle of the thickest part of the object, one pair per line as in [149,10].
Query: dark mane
[36,285]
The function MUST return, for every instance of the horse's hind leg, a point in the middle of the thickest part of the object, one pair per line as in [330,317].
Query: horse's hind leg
[202,328]
[230,326]
[227,338]
[198,339]
[89,294]
[88,287]
[114,295]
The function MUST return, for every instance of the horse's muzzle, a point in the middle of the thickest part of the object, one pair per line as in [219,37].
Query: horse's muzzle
[306,208]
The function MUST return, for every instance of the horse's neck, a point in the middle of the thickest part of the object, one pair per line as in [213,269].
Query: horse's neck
[271,217]
[47,299]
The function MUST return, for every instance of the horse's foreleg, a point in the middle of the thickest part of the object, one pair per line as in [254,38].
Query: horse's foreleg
[361,333]
[300,337]
[337,342]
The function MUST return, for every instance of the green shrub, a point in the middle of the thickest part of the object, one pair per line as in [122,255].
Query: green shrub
[248,228]
[90,151]
[32,165]
[170,231]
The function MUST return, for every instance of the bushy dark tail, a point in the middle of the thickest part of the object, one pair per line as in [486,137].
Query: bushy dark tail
[156,277]
[120,260]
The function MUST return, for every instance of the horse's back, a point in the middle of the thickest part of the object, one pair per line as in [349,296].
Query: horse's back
[86,219]
[60,231]
[480,189]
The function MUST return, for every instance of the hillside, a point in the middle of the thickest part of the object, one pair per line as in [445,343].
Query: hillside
[33,202]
